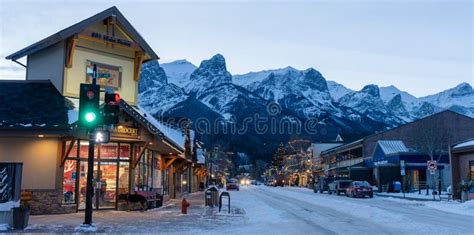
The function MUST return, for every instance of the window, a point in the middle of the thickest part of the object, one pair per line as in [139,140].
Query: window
[471,169]
[69,181]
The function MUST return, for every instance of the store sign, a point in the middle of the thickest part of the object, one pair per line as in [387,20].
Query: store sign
[111,39]
[107,75]
[126,132]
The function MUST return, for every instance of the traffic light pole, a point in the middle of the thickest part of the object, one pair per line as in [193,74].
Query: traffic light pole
[90,187]
[90,168]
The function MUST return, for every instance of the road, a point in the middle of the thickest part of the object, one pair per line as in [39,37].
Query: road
[272,211]
[300,211]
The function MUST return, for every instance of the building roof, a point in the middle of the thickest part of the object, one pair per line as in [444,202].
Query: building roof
[465,145]
[392,146]
[78,27]
[32,105]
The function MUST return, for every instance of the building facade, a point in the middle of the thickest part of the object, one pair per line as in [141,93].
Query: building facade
[144,154]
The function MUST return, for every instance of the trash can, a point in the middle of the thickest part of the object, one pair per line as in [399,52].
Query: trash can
[211,196]
[159,200]
[21,216]
[397,186]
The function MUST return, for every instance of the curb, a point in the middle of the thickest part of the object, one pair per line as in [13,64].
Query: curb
[406,198]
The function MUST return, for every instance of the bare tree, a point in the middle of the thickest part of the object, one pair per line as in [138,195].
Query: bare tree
[432,137]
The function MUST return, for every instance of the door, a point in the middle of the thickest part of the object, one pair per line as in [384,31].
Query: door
[106,185]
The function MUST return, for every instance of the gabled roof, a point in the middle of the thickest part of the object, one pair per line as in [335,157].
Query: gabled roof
[78,27]
[392,146]
[32,105]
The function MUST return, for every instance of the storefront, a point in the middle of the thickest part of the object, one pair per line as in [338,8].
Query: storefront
[144,154]
[462,169]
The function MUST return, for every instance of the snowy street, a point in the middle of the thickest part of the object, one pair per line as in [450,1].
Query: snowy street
[268,210]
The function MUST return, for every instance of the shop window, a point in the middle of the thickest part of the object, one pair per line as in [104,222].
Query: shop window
[109,151]
[73,152]
[69,181]
[124,151]
[123,179]
[84,150]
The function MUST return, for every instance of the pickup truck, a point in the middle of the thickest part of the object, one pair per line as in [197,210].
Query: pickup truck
[338,186]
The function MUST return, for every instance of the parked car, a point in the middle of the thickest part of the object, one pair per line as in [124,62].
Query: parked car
[321,185]
[232,184]
[278,180]
[359,188]
[339,186]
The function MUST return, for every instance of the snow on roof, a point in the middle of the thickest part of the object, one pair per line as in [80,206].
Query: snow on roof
[200,156]
[469,143]
[175,135]
[392,146]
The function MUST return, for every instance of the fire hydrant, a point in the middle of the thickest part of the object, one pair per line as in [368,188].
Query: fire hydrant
[184,206]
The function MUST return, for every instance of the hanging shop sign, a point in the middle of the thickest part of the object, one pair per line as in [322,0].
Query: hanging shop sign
[126,132]
[108,75]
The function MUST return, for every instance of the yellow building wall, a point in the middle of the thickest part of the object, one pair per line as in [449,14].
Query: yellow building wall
[39,157]
[105,54]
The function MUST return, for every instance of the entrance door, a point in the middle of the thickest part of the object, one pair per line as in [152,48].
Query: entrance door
[106,185]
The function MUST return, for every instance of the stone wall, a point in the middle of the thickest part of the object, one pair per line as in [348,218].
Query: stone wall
[49,201]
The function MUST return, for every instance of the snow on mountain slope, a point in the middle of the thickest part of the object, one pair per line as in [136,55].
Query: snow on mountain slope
[210,73]
[253,78]
[461,95]
[368,102]
[337,90]
[158,100]
[178,72]
[389,92]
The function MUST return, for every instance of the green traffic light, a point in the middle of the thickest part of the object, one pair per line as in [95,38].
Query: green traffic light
[90,116]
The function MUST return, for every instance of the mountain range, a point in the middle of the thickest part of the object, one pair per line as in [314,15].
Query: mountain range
[209,92]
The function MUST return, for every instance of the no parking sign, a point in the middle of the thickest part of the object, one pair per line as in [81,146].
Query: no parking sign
[432,166]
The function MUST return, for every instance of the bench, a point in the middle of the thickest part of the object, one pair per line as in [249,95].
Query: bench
[153,198]
[447,196]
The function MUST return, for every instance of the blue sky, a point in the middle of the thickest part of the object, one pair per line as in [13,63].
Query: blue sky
[420,46]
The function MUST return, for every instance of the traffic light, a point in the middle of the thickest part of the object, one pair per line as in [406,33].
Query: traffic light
[89,113]
[111,108]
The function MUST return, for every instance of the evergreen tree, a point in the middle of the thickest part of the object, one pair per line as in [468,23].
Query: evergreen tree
[279,158]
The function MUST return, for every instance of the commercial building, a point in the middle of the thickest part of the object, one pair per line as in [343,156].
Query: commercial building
[376,158]
[461,156]
[38,122]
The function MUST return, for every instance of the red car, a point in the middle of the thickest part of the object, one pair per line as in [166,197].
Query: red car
[359,188]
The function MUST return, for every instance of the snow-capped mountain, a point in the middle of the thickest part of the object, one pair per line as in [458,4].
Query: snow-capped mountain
[369,103]
[156,95]
[459,98]
[178,72]
[210,73]
[179,89]
[337,90]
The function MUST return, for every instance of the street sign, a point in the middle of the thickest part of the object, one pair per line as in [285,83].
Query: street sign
[432,165]
[402,167]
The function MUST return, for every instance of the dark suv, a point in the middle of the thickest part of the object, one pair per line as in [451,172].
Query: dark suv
[321,185]
[339,186]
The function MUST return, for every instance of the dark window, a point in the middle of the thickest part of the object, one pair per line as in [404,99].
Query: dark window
[471,169]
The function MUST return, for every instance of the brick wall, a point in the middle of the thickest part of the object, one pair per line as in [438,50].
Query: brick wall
[49,201]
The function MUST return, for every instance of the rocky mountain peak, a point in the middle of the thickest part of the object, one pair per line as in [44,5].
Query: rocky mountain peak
[462,89]
[152,75]
[315,78]
[210,73]
[372,90]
